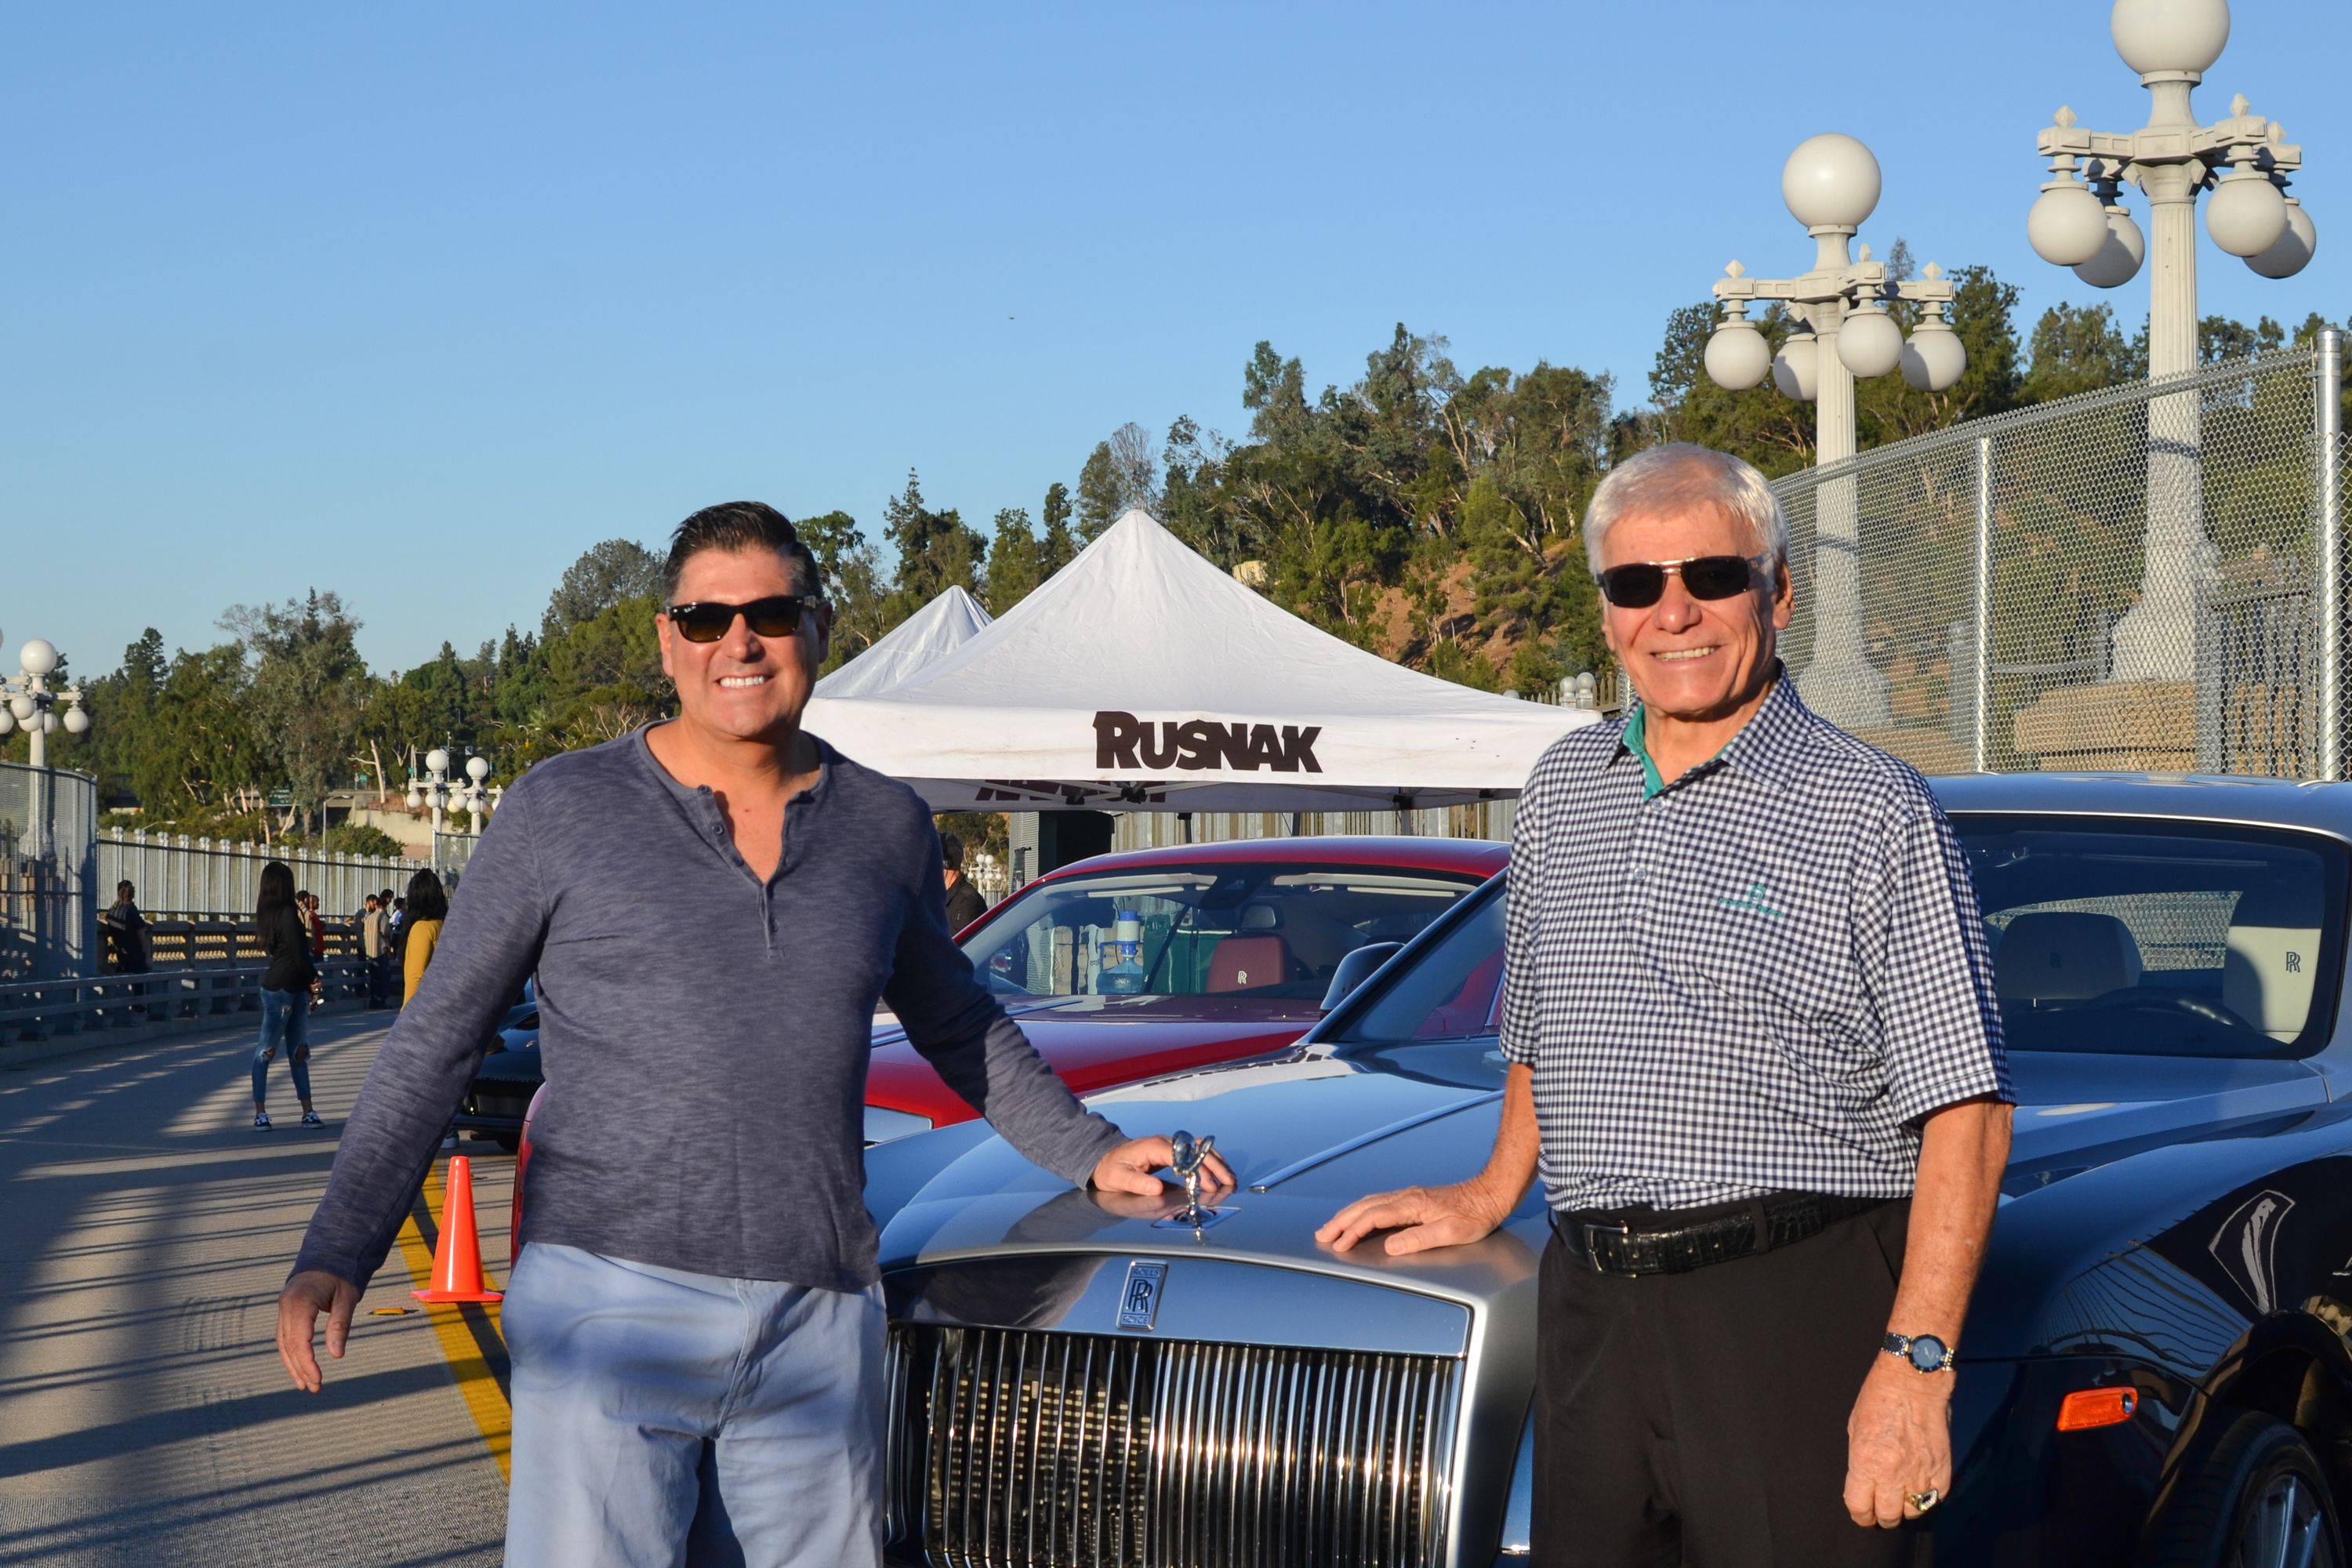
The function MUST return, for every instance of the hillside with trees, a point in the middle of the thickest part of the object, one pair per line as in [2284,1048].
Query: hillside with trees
[1425,513]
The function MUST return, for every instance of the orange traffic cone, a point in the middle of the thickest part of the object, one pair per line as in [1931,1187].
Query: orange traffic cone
[458,1257]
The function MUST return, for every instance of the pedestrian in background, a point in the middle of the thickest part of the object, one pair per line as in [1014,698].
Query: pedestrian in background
[420,933]
[308,902]
[126,931]
[285,938]
[126,935]
[964,903]
[372,947]
[395,910]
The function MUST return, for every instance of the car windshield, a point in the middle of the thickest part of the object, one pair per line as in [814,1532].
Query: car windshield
[1271,930]
[2114,936]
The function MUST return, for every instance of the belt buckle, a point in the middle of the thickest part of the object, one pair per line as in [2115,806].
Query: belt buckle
[1593,1228]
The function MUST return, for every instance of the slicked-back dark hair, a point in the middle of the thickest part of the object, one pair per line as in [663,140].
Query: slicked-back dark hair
[737,525]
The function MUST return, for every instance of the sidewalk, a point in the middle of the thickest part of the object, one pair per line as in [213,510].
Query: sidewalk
[145,1228]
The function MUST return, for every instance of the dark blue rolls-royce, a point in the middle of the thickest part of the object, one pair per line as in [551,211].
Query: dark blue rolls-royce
[2158,1366]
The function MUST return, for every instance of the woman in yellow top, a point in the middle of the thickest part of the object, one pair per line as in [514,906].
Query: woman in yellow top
[420,933]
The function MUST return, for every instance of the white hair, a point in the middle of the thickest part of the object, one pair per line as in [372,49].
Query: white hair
[1679,477]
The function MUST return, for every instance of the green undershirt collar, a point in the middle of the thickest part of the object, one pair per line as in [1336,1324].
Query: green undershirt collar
[1636,740]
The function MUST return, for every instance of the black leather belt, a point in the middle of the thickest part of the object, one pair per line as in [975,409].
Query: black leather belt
[1677,1241]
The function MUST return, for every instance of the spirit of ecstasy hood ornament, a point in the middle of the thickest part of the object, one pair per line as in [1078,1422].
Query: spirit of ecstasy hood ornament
[1191,1157]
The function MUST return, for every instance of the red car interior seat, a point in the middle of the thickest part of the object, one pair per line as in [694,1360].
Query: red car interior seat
[1245,963]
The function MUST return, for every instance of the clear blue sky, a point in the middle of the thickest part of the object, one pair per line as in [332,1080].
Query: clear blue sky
[417,302]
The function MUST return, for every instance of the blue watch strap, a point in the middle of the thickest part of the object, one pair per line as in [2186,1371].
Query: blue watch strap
[1923,1354]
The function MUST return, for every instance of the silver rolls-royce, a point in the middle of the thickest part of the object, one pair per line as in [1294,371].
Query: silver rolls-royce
[2160,1356]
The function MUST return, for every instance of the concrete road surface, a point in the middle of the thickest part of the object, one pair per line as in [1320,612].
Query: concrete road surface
[145,1228]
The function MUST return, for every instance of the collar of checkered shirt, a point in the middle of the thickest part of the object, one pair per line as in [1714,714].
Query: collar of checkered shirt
[1770,745]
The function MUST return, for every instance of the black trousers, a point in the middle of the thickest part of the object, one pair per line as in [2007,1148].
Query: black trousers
[1700,1418]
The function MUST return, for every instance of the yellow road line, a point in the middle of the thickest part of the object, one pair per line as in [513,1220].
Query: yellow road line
[479,1388]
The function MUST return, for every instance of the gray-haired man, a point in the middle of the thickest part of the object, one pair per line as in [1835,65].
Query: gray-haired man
[1755,1050]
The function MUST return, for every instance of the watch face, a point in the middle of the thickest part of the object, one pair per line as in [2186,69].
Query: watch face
[1927,1353]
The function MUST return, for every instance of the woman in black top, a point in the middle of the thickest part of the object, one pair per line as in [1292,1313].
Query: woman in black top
[285,936]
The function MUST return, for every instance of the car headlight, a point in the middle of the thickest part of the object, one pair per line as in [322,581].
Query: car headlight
[1519,1513]
[882,1124]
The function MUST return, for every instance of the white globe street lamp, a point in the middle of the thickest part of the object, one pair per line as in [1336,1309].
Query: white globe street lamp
[31,703]
[1831,184]
[438,789]
[2244,160]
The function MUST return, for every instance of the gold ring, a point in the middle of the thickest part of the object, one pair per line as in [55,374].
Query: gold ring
[1923,1501]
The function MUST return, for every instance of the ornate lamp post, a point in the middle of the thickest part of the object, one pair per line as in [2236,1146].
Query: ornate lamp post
[437,788]
[477,800]
[2244,161]
[1832,184]
[29,702]
[434,787]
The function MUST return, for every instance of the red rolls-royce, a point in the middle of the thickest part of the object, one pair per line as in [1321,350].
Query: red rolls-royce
[1129,965]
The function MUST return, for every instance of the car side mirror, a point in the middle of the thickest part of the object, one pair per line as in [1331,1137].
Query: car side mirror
[1354,969]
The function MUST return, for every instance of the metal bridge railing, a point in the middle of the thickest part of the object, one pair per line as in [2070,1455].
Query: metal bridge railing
[197,991]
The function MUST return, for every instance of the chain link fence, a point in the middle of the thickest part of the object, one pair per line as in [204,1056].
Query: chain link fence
[48,925]
[451,851]
[2144,578]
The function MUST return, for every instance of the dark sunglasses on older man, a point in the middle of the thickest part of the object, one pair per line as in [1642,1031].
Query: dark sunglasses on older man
[708,620]
[1638,584]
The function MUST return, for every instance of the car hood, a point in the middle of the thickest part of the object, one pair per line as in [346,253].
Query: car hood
[1308,1131]
[1311,1131]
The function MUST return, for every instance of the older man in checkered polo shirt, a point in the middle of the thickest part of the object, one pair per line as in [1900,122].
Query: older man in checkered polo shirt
[1755,1052]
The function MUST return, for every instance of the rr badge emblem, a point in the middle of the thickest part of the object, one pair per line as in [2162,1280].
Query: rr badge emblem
[1138,1298]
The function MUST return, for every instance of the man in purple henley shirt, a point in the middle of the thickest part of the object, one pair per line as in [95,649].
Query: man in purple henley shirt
[713,907]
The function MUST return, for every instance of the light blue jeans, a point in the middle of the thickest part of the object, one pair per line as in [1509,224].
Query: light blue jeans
[662,1417]
[285,1020]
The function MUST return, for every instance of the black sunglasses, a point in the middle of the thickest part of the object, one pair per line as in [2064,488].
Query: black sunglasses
[1641,583]
[708,620]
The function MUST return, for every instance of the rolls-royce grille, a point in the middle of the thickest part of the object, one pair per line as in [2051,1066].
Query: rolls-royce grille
[1016,1450]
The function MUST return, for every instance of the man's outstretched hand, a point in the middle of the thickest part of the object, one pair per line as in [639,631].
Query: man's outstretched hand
[1134,1167]
[1423,1218]
[307,1294]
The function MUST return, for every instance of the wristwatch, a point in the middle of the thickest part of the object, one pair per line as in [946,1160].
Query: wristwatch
[1922,1353]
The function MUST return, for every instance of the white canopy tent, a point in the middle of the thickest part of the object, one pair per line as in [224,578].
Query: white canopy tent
[1140,677]
[932,633]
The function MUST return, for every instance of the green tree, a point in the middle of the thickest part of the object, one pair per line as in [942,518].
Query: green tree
[307,687]
[1099,493]
[200,750]
[121,707]
[359,839]
[2219,338]
[1193,502]
[935,553]
[852,583]
[1056,547]
[604,574]
[1773,432]
[2079,348]
[1012,573]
